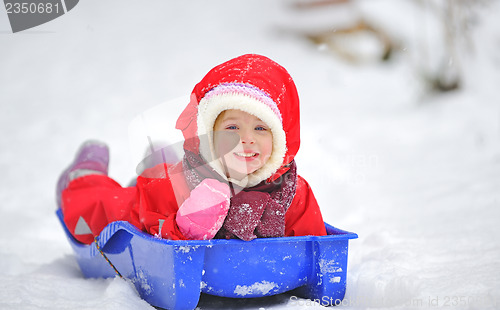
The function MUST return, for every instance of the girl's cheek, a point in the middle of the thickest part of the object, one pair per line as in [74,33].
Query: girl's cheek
[225,142]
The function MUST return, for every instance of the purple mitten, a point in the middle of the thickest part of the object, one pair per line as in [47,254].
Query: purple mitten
[272,223]
[91,158]
[245,214]
[201,215]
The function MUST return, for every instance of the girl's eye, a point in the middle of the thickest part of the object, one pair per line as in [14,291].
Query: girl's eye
[260,128]
[231,127]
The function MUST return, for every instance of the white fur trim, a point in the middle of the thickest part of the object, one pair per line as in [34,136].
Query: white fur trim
[208,111]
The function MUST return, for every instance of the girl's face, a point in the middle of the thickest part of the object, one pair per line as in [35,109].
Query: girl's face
[253,149]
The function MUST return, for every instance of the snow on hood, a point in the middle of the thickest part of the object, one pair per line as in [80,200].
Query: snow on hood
[262,73]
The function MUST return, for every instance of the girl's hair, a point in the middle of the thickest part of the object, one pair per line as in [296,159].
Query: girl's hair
[219,119]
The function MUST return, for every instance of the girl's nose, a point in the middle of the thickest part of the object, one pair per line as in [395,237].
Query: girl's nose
[247,137]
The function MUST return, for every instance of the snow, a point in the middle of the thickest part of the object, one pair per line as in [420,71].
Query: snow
[415,174]
[263,287]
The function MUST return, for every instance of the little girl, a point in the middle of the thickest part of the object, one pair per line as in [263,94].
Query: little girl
[237,179]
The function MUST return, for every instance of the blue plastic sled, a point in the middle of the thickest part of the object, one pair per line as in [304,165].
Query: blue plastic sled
[172,274]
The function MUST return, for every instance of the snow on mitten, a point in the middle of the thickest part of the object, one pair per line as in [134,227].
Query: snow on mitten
[203,213]
[272,223]
[245,214]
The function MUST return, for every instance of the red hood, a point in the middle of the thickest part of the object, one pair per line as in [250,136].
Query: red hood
[260,72]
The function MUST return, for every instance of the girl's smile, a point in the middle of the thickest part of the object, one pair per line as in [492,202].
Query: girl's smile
[246,156]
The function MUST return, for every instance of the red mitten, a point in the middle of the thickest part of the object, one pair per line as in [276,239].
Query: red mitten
[203,213]
[245,214]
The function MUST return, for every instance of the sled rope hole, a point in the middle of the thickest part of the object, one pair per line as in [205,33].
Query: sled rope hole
[106,258]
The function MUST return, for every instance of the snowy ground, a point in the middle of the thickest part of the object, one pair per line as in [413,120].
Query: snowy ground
[416,176]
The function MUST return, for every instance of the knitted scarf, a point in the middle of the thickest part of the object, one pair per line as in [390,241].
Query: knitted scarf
[255,212]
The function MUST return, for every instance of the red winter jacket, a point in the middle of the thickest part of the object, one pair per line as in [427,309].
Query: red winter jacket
[153,203]
[100,200]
